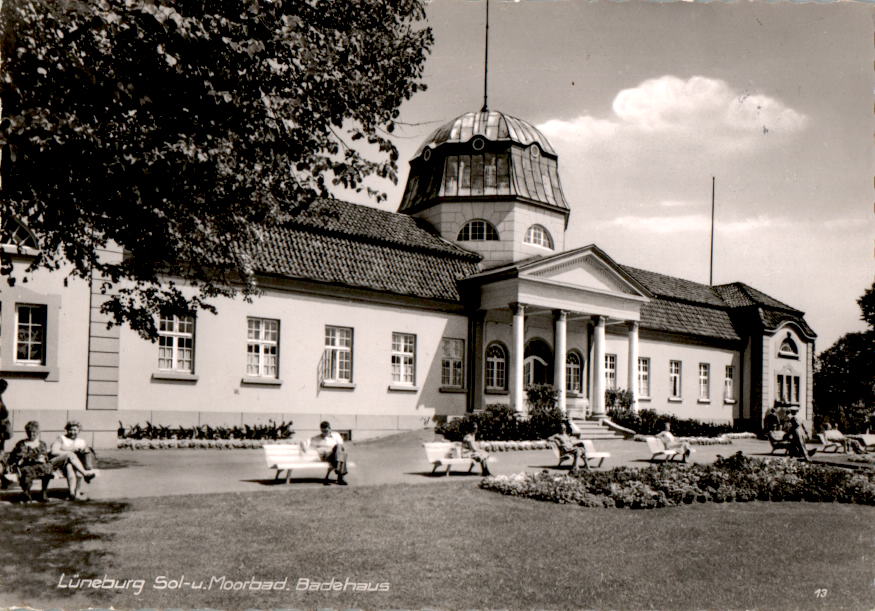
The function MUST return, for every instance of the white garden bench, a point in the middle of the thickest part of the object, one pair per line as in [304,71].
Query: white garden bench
[589,453]
[448,454]
[289,457]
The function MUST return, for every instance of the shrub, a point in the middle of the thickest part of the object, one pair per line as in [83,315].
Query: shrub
[736,478]
[150,431]
[618,398]
[499,422]
[649,422]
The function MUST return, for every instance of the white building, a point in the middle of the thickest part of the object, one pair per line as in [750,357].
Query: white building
[379,321]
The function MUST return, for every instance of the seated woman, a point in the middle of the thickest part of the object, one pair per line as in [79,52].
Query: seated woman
[673,443]
[471,449]
[30,458]
[70,444]
[569,445]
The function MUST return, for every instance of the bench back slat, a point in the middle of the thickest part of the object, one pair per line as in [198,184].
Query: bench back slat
[439,450]
[275,453]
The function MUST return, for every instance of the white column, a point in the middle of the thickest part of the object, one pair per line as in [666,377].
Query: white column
[559,333]
[598,367]
[633,364]
[518,398]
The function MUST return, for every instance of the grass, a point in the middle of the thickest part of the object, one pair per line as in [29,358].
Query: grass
[448,545]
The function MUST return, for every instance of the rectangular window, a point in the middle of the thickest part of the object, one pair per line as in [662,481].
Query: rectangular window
[796,390]
[464,174]
[729,384]
[337,357]
[262,347]
[489,175]
[451,179]
[502,169]
[674,379]
[476,175]
[610,371]
[643,377]
[452,363]
[704,382]
[176,343]
[30,338]
[403,359]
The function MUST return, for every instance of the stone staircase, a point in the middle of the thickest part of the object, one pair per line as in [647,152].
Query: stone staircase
[593,429]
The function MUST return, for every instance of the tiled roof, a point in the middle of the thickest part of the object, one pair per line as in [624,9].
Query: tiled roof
[772,319]
[675,288]
[374,225]
[357,246]
[739,294]
[677,317]
[683,306]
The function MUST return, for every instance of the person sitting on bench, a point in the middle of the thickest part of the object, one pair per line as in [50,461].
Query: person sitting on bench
[30,458]
[673,443]
[471,449]
[70,444]
[329,446]
[569,445]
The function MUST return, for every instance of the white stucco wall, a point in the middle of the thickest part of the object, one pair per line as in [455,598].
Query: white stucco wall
[660,352]
[220,365]
[510,219]
[67,338]
[776,364]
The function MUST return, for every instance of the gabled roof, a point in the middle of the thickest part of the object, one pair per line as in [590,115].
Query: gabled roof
[514,270]
[357,246]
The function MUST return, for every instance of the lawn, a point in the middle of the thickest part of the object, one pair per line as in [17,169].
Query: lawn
[448,545]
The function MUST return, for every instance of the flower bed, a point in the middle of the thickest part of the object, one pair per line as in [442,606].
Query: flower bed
[737,478]
[510,446]
[174,444]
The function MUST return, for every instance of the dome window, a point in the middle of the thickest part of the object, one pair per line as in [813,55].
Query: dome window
[537,235]
[478,144]
[477,230]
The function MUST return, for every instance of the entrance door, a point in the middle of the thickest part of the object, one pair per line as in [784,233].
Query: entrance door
[537,363]
[535,371]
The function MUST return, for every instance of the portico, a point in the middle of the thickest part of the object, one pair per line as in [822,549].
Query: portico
[566,301]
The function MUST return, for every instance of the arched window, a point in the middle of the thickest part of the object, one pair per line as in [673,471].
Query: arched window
[573,368]
[537,235]
[14,233]
[496,367]
[477,230]
[789,348]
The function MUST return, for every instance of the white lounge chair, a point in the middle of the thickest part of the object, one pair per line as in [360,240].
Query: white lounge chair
[658,449]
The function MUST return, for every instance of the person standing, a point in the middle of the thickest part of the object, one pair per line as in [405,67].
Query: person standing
[329,446]
[797,434]
[5,423]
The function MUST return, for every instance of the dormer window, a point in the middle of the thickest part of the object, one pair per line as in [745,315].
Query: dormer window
[477,230]
[537,235]
[788,348]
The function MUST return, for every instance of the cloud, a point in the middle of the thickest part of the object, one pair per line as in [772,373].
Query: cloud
[667,114]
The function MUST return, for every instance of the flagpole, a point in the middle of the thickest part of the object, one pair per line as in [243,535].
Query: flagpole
[711,272]
[486,63]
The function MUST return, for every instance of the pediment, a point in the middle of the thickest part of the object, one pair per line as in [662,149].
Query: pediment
[585,270]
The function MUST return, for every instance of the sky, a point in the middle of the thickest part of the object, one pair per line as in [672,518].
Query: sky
[645,102]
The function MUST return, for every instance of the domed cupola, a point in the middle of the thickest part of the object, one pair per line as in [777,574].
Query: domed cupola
[485,154]
[490,182]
